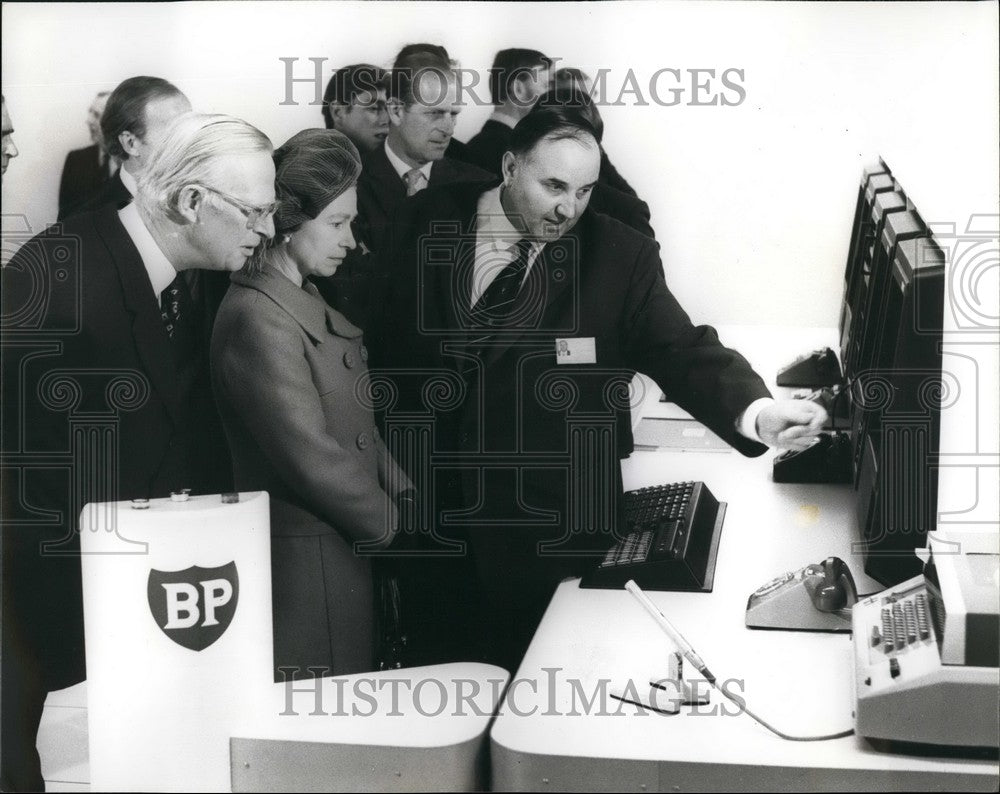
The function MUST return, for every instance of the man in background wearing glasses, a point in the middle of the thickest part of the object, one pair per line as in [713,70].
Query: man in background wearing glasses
[114,332]
[354,103]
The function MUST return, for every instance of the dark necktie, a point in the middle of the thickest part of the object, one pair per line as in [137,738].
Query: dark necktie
[494,306]
[177,311]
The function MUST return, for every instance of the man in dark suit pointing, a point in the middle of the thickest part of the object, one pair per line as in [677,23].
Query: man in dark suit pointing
[524,454]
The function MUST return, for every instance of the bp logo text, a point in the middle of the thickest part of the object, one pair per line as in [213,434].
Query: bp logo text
[194,607]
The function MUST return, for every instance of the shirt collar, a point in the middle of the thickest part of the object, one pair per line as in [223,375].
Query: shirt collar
[129,181]
[401,166]
[504,118]
[160,271]
[492,223]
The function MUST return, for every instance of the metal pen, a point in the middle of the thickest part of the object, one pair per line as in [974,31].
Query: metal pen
[668,628]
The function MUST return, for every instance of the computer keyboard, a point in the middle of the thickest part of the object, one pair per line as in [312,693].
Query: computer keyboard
[671,543]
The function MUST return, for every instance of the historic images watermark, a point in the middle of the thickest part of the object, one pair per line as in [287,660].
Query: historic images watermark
[715,86]
[554,695]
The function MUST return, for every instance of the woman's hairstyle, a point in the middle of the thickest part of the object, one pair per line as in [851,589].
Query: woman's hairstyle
[190,154]
[312,168]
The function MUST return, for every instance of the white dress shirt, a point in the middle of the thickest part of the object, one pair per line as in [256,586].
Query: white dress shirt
[402,167]
[158,267]
[495,238]
[129,181]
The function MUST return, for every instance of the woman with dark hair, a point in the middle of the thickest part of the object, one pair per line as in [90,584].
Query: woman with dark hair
[290,378]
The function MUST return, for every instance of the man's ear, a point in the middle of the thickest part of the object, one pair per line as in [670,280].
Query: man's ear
[508,167]
[129,143]
[190,201]
[337,112]
[395,109]
[523,93]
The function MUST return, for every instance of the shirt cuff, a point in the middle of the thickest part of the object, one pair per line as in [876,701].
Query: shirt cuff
[746,424]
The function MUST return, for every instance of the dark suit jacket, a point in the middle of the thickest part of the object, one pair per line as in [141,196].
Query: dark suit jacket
[517,406]
[112,193]
[518,450]
[82,176]
[612,178]
[457,151]
[381,191]
[486,148]
[612,195]
[98,400]
[356,289]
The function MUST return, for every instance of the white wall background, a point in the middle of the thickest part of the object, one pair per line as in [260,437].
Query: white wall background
[752,204]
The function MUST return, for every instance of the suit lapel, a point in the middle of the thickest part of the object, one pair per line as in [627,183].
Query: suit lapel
[118,193]
[148,333]
[385,190]
[443,172]
[452,285]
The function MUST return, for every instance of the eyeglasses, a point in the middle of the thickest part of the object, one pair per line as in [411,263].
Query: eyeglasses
[253,214]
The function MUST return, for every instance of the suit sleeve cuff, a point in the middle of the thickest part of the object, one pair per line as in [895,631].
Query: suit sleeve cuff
[746,424]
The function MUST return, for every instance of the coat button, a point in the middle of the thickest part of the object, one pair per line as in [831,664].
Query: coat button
[364,353]
[349,359]
[375,433]
[362,441]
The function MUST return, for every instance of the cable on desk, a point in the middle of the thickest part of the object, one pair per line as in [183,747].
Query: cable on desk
[689,653]
[743,706]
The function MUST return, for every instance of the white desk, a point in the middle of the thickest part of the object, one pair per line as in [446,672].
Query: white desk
[548,738]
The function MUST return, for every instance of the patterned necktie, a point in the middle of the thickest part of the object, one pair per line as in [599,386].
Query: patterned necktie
[176,307]
[495,304]
[415,181]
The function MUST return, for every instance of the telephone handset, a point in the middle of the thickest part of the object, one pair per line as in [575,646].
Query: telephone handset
[817,597]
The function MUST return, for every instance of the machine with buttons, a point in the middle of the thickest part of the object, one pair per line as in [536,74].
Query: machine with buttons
[926,654]
[672,540]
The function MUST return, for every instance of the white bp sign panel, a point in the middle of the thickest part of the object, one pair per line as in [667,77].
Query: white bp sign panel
[177,609]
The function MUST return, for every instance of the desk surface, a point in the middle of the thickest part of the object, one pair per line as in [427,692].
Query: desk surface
[558,731]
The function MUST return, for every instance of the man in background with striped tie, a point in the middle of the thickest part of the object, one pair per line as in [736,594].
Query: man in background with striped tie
[423,104]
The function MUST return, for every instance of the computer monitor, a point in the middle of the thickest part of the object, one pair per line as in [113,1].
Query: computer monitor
[897,406]
[891,218]
[875,323]
[874,181]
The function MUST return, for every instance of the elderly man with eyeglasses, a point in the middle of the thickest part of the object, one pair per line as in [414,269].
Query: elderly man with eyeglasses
[113,314]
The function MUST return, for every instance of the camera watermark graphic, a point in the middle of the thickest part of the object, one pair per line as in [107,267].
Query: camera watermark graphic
[514,419]
[61,424]
[935,303]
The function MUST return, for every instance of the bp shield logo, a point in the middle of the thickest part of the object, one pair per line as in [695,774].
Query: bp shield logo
[194,607]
